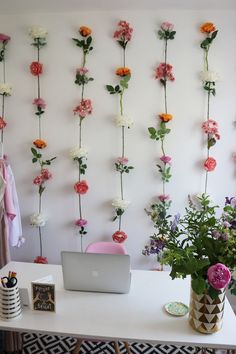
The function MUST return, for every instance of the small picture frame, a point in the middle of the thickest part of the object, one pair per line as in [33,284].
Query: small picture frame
[43,297]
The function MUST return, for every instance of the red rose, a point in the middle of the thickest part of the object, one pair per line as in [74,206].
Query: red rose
[81,187]
[210,164]
[119,236]
[36,68]
[2,123]
[40,259]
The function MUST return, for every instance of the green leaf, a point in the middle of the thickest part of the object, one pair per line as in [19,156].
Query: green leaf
[199,285]
[34,160]
[117,88]
[152,131]
[214,34]
[34,151]
[213,293]
[109,88]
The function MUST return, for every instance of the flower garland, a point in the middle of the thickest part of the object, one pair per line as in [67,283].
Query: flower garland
[209,78]
[79,153]
[123,35]
[38,219]
[5,89]
[159,211]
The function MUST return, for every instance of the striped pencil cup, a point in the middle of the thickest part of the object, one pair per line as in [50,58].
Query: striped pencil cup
[10,303]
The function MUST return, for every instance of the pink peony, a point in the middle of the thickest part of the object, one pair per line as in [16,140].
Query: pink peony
[167,26]
[81,187]
[166,159]
[218,276]
[81,222]
[4,37]
[37,180]
[122,160]
[2,123]
[46,174]
[39,102]
[164,197]
[164,72]
[124,31]
[119,236]
[210,164]
[82,71]
[84,108]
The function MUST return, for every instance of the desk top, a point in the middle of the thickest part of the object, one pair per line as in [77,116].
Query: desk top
[136,317]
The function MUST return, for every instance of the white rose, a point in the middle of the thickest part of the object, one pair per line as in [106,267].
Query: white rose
[38,32]
[38,220]
[123,121]
[209,75]
[119,203]
[79,152]
[5,89]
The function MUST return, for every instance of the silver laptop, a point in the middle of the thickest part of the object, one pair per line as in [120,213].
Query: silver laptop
[109,273]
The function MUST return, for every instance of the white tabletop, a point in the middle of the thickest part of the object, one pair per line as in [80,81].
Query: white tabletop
[136,317]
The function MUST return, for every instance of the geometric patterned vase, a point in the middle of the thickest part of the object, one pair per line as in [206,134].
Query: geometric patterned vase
[205,313]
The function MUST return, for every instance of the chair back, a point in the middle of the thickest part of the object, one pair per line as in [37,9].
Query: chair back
[105,247]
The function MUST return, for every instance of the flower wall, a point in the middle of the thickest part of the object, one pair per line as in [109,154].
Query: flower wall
[186,144]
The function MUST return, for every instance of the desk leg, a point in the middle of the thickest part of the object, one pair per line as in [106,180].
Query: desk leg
[77,347]
[116,347]
[127,347]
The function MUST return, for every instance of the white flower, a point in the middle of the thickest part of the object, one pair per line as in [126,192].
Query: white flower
[119,203]
[38,220]
[38,32]
[209,75]
[78,151]
[5,89]
[123,121]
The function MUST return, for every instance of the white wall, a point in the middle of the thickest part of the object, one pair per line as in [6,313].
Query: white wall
[144,99]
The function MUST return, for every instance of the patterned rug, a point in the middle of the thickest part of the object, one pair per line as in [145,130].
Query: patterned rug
[48,344]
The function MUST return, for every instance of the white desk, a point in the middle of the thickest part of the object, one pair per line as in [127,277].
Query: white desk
[135,317]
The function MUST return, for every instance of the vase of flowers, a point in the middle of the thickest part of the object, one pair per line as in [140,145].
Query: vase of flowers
[202,244]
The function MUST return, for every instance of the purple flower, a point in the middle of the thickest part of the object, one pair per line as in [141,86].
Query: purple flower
[227,224]
[166,159]
[175,222]
[218,276]
[221,236]
[231,201]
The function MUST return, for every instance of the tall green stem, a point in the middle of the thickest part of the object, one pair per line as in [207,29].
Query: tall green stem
[40,242]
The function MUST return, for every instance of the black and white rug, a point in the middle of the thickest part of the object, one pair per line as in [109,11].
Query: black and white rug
[48,344]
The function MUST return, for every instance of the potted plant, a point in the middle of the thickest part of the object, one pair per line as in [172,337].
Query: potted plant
[203,245]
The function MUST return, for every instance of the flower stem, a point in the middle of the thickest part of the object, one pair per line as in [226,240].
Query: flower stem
[40,242]
[120,222]
[3,112]
[124,57]
[81,243]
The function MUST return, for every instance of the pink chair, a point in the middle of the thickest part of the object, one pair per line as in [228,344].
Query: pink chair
[110,248]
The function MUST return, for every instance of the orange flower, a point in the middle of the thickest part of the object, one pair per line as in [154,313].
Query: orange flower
[165,117]
[85,31]
[207,27]
[40,144]
[123,71]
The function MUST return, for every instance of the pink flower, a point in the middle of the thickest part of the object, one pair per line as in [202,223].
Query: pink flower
[40,259]
[164,72]
[81,187]
[167,26]
[166,159]
[210,164]
[2,123]
[122,160]
[211,127]
[84,108]
[124,32]
[37,180]
[39,102]
[81,222]
[119,236]
[4,37]
[164,197]
[218,276]
[46,174]
[82,71]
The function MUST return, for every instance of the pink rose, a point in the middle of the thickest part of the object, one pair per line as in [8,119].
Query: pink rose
[81,187]
[218,276]
[84,108]
[164,72]
[167,26]
[37,180]
[46,174]
[166,159]
[39,102]
[210,164]
[164,197]
[4,37]
[119,236]
[82,71]
[81,222]
[122,160]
